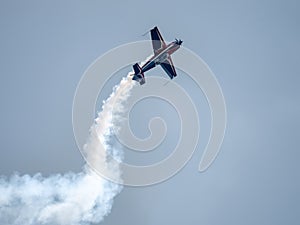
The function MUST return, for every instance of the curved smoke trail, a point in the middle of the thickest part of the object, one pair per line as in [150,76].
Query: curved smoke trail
[70,199]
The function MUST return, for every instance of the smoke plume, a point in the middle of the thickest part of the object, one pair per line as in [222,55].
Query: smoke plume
[72,198]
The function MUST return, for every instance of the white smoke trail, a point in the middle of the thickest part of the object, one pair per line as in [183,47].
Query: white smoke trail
[69,199]
[106,124]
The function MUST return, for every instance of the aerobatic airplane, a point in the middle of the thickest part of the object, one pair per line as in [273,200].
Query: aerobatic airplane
[162,56]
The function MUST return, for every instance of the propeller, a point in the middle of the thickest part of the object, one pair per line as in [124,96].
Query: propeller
[179,42]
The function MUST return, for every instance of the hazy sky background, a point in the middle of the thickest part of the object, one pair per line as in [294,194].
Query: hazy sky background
[251,46]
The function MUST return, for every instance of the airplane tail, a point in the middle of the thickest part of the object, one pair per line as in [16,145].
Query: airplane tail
[137,69]
[138,74]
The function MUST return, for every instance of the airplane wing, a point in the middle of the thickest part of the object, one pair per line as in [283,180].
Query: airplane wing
[169,68]
[157,40]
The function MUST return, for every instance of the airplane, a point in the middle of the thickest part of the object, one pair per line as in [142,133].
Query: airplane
[162,56]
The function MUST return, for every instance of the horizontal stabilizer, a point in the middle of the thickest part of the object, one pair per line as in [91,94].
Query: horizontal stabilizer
[137,69]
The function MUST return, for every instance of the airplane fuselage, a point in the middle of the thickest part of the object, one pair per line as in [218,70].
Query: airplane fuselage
[160,56]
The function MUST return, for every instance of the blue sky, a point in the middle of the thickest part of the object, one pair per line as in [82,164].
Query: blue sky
[251,46]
